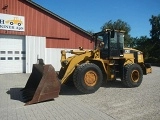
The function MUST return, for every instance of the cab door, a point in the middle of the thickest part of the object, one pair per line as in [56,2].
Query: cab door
[116,45]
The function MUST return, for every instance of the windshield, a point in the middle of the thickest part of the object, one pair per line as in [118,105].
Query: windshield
[113,42]
[105,40]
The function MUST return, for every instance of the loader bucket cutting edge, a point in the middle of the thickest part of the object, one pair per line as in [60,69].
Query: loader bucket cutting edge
[42,85]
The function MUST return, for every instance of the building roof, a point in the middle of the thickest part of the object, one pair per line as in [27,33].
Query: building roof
[57,16]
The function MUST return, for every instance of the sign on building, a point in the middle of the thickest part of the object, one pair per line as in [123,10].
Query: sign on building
[12,22]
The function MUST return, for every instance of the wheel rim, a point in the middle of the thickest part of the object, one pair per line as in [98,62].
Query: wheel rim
[135,76]
[90,78]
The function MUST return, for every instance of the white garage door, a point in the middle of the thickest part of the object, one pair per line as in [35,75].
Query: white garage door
[12,54]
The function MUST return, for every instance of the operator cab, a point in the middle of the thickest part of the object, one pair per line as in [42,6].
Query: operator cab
[111,43]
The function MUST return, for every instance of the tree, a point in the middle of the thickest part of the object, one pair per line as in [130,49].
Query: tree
[143,44]
[155,36]
[155,31]
[120,25]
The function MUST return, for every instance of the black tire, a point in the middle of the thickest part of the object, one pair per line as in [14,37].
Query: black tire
[87,78]
[19,24]
[11,23]
[132,76]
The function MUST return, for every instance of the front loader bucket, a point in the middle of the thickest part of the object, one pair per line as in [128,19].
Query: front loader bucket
[42,84]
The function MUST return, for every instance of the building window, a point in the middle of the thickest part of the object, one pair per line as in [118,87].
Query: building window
[23,52]
[16,58]
[23,58]
[3,52]
[10,58]
[2,58]
[10,52]
[16,52]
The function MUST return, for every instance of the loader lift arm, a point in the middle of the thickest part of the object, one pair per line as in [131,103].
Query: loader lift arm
[70,64]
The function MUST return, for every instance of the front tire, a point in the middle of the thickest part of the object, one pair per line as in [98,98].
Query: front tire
[132,76]
[87,78]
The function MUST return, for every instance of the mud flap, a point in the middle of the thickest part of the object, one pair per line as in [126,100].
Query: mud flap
[42,85]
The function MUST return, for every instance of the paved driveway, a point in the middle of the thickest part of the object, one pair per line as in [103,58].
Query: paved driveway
[110,102]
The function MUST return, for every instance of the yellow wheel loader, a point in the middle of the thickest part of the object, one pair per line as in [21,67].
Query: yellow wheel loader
[86,69]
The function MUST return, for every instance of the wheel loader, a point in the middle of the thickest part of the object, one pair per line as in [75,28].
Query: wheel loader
[87,69]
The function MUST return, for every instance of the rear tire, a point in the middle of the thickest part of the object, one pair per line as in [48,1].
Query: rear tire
[87,78]
[132,76]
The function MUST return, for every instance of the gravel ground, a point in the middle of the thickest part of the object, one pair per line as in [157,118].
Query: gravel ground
[140,103]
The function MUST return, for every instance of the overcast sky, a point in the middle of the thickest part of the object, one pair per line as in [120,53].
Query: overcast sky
[92,14]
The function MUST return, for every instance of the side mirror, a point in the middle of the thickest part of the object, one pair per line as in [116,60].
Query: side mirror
[112,33]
